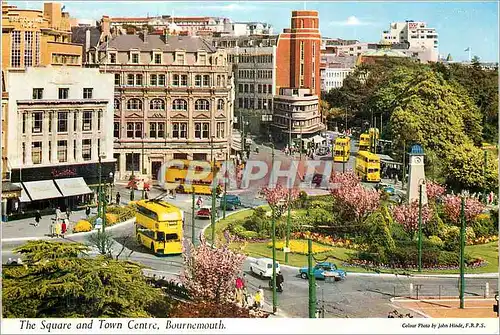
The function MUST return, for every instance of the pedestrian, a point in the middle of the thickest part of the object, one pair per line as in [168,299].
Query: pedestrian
[279,282]
[52,228]
[58,228]
[239,283]
[87,212]
[38,216]
[16,206]
[58,214]
[64,226]
[199,202]
[146,196]
[68,213]
[118,196]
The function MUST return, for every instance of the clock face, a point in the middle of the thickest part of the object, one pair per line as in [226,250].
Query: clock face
[417,160]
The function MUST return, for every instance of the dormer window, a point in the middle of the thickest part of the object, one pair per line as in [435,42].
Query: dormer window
[134,57]
[202,59]
[157,57]
[180,58]
[112,57]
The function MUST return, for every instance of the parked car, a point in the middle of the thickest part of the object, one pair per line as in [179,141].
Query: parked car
[204,212]
[232,202]
[263,267]
[389,189]
[320,269]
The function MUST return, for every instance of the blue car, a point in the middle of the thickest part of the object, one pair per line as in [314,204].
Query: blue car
[320,269]
[232,202]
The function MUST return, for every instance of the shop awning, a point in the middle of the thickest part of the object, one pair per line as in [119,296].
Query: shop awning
[318,139]
[42,189]
[72,186]
[24,196]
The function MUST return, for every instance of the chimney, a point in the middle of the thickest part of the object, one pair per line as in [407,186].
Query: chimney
[105,27]
[87,39]
[145,35]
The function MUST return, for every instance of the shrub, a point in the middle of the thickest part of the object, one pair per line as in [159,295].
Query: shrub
[436,241]
[320,204]
[82,226]
[320,216]
[248,234]
[124,213]
[236,229]
[451,238]
[484,225]
[111,219]
[302,200]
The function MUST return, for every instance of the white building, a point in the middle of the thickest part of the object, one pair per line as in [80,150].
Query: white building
[417,34]
[355,49]
[60,125]
[333,77]
[250,29]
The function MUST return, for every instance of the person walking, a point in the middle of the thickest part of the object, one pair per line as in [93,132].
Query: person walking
[58,228]
[279,282]
[64,226]
[58,213]
[38,216]
[199,202]
[118,196]
[87,212]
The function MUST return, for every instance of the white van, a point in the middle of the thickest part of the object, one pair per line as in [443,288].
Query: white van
[263,267]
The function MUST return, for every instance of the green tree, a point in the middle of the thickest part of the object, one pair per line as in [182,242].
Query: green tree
[57,280]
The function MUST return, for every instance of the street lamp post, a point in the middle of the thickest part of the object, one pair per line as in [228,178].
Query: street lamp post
[99,190]
[192,217]
[214,181]
[288,219]
[485,198]
[420,184]
[225,188]
[462,251]
[273,228]
[143,172]
[312,281]
[132,189]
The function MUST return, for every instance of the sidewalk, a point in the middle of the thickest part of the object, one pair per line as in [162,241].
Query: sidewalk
[25,228]
[449,308]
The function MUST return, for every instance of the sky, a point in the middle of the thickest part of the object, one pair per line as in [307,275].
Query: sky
[459,24]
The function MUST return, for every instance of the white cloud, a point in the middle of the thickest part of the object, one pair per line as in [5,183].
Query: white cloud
[232,7]
[351,21]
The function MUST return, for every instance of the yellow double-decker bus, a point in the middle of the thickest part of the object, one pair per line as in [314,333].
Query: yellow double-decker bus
[178,174]
[368,166]
[364,142]
[342,149]
[158,227]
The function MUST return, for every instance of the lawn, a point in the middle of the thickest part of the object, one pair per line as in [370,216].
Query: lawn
[488,252]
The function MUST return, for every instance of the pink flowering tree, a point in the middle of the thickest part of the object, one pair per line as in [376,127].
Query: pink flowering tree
[407,216]
[280,198]
[434,190]
[210,273]
[452,206]
[353,200]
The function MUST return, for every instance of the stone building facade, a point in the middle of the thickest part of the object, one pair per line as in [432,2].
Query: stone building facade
[173,100]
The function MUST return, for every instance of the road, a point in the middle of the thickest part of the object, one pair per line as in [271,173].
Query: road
[357,296]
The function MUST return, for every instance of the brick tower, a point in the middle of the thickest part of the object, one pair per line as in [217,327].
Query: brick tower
[298,53]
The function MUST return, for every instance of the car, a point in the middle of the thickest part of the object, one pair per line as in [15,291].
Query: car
[204,212]
[386,188]
[232,202]
[320,269]
[263,267]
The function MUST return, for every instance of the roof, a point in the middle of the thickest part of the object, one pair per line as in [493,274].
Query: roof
[368,154]
[164,43]
[78,35]
[383,52]
[164,210]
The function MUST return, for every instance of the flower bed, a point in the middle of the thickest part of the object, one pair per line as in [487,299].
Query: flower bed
[300,247]
[473,264]
[328,240]
[483,240]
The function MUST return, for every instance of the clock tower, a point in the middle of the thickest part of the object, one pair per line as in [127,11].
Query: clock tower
[416,175]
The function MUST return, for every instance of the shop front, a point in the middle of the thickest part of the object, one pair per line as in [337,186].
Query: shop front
[69,186]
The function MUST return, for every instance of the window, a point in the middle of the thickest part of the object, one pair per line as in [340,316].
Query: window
[175,80]
[179,105]
[157,59]
[117,79]
[134,58]
[161,80]
[62,151]
[37,93]
[302,51]
[62,122]
[36,152]
[240,88]
[117,104]
[134,104]
[203,59]
[130,129]
[63,93]
[201,105]
[116,130]
[130,79]
[246,88]
[259,88]
[138,130]
[138,80]
[28,48]
[220,129]
[220,104]
[87,149]
[132,162]
[197,80]
[75,123]
[180,59]
[206,80]
[264,88]
[179,130]
[37,48]
[219,80]
[252,87]
[112,58]
[157,104]
[153,80]
[99,117]
[37,122]
[157,129]
[87,93]
[240,102]
[87,120]
[15,60]
[184,80]
[201,129]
